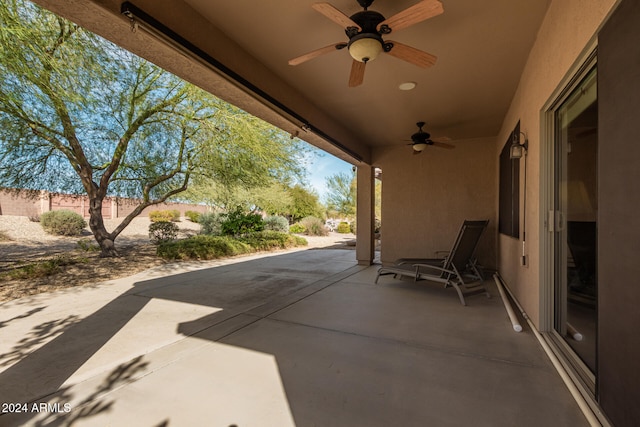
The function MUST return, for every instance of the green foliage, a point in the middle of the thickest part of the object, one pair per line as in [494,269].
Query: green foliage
[211,223]
[304,203]
[87,245]
[237,222]
[276,223]
[193,216]
[297,228]
[73,104]
[163,231]
[270,240]
[81,114]
[344,228]
[42,268]
[341,195]
[274,200]
[248,163]
[314,226]
[63,223]
[202,247]
[165,215]
[377,225]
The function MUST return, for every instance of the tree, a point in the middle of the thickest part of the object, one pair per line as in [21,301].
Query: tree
[69,98]
[82,115]
[251,164]
[303,203]
[341,194]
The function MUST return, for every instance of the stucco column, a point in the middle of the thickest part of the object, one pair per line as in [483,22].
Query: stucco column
[365,213]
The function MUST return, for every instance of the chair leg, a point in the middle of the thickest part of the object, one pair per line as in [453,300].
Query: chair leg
[459,291]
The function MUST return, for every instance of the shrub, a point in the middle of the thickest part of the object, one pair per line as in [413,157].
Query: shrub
[211,223]
[88,245]
[344,228]
[162,231]
[314,226]
[164,216]
[297,228]
[44,268]
[63,223]
[269,240]
[276,223]
[202,247]
[237,223]
[193,216]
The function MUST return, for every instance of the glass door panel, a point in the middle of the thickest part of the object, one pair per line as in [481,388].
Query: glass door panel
[576,200]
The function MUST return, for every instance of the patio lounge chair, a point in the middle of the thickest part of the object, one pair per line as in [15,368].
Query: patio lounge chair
[457,269]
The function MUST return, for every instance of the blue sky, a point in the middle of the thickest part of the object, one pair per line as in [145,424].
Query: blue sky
[320,166]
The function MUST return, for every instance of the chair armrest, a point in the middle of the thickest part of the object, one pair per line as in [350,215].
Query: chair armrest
[433,261]
[433,267]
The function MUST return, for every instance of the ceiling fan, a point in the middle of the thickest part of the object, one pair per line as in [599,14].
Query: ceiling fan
[421,139]
[365,30]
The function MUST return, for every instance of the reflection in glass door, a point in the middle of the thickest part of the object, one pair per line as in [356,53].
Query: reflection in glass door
[576,204]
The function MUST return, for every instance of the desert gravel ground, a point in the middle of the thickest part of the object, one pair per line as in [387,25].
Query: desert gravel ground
[29,243]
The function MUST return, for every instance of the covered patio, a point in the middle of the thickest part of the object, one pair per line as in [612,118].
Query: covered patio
[296,338]
[556,78]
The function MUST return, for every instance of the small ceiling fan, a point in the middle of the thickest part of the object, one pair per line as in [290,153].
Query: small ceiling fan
[365,30]
[421,139]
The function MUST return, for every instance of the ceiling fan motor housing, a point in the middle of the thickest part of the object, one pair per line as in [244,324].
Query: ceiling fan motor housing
[421,137]
[365,3]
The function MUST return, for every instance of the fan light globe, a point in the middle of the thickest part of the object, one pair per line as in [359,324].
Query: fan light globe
[365,49]
[419,146]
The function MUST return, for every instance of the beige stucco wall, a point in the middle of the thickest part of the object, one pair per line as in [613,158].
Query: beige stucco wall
[426,197]
[565,36]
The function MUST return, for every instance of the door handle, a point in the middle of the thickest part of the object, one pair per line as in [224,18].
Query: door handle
[556,221]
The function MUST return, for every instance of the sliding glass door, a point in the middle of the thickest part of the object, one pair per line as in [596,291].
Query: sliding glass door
[575,224]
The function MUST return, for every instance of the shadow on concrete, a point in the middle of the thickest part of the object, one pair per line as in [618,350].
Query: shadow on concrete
[39,365]
[305,335]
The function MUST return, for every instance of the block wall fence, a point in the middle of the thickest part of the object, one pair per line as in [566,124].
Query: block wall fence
[33,203]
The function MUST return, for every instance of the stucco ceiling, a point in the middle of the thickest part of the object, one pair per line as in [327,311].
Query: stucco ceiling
[481,47]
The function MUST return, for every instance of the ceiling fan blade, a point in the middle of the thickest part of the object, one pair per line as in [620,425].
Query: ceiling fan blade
[357,73]
[443,145]
[417,13]
[412,55]
[441,139]
[335,15]
[316,53]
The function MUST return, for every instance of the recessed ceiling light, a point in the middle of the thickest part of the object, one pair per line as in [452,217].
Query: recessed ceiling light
[407,86]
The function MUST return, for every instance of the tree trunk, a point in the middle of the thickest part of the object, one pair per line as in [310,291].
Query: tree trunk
[96,223]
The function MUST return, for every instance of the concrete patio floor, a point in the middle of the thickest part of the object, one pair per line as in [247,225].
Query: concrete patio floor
[298,338]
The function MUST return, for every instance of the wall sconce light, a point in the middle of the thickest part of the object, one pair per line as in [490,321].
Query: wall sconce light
[518,150]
